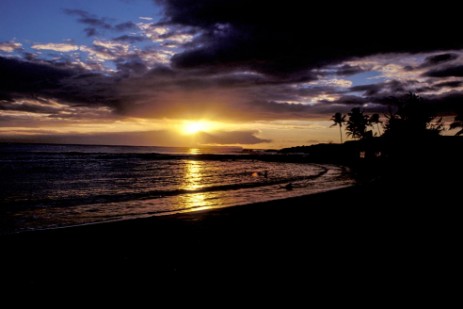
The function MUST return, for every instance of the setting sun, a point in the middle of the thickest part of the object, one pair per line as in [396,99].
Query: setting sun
[193,127]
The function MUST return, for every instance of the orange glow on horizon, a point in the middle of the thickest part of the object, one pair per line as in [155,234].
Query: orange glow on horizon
[193,127]
[177,132]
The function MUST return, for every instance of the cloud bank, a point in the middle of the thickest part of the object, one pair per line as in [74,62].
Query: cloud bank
[235,60]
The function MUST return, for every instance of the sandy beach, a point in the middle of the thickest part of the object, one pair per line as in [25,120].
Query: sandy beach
[355,234]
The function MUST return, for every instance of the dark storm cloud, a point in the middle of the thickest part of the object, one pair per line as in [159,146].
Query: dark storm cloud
[446,72]
[441,58]
[168,92]
[164,76]
[26,77]
[131,38]
[439,86]
[368,90]
[23,79]
[160,92]
[441,104]
[373,104]
[284,39]
[5,97]
[347,70]
[129,66]
[392,87]
[351,100]
[235,59]
[451,84]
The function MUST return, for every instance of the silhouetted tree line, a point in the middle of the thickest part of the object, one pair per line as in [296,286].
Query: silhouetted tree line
[408,143]
[410,119]
[357,123]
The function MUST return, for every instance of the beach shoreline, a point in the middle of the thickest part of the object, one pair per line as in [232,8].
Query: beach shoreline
[324,234]
[125,194]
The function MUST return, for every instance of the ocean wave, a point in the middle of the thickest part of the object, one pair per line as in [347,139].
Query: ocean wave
[42,189]
[153,194]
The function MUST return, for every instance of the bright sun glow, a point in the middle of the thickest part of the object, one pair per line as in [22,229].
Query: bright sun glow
[193,127]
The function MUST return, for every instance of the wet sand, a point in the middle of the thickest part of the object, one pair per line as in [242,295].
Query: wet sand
[361,233]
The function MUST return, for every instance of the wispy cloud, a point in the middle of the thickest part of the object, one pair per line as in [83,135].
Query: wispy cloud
[59,47]
[10,47]
[125,26]
[120,46]
[169,36]
[89,19]
[95,24]
[335,82]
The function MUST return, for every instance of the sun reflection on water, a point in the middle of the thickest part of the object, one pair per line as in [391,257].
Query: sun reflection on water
[197,201]
[193,175]
[193,181]
[194,151]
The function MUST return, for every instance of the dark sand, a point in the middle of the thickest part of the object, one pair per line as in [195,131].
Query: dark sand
[370,238]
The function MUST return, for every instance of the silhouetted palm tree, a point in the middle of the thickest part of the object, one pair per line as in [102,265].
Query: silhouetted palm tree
[357,123]
[338,119]
[412,119]
[458,123]
[374,119]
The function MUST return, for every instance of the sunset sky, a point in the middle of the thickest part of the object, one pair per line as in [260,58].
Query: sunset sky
[211,72]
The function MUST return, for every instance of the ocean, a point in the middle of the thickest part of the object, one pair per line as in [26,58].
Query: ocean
[51,186]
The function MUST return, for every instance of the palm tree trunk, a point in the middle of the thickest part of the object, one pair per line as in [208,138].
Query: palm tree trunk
[340,132]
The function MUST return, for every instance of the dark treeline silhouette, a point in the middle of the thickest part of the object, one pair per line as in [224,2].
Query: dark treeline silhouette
[405,145]
[412,119]
[408,117]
